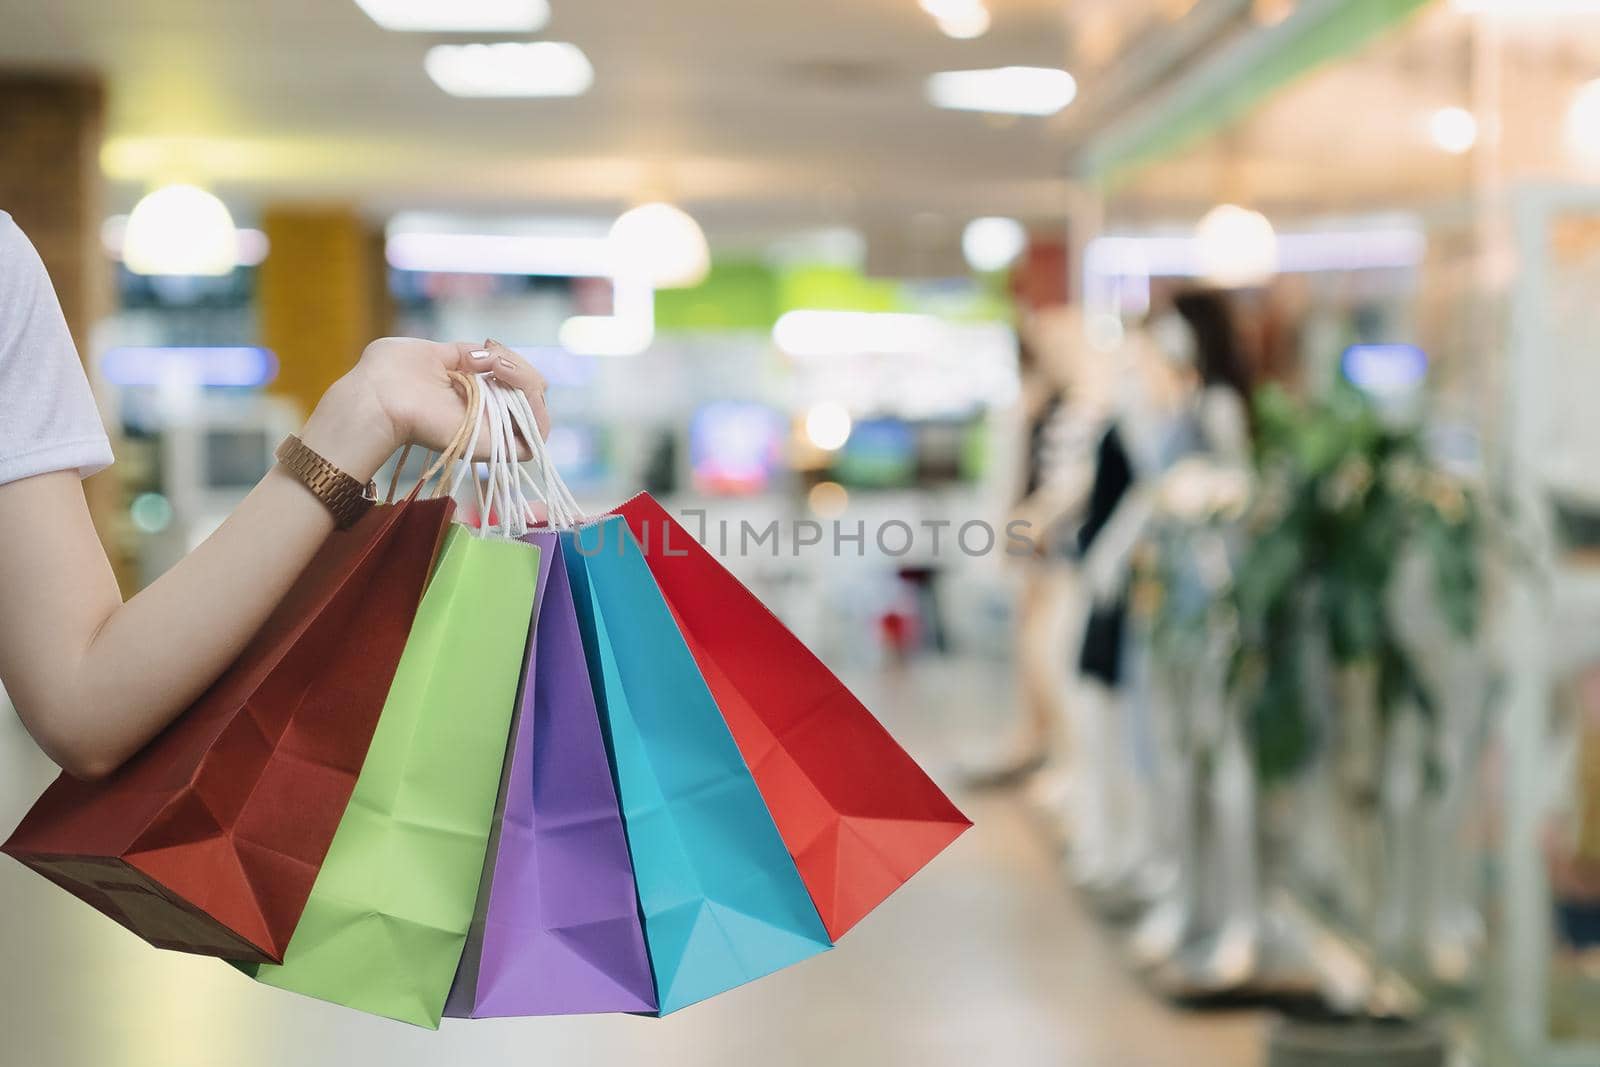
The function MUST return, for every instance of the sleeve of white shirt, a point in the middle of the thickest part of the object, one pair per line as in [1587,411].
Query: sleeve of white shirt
[48,419]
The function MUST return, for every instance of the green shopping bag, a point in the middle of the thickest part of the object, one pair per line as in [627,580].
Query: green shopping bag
[384,928]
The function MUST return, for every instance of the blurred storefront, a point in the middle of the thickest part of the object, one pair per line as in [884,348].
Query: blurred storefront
[1271,332]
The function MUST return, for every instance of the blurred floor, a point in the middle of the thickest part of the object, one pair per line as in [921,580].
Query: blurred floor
[983,960]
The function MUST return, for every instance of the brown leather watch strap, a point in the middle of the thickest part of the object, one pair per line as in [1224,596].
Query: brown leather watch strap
[347,498]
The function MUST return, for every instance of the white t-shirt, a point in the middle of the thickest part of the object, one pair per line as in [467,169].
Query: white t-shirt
[48,421]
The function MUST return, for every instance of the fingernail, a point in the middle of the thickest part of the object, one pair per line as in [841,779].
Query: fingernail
[479,356]
[507,364]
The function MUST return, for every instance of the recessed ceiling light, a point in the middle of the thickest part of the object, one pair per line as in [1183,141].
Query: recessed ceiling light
[1004,90]
[509,68]
[458,16]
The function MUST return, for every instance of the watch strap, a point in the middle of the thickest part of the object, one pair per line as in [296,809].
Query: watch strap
[344,496]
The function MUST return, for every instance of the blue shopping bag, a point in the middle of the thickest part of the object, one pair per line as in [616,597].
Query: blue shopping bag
[722,900]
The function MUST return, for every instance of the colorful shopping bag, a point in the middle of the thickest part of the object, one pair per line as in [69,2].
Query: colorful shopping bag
[722,901]
[857,813]
[387,919]
[209,839]
[557,929]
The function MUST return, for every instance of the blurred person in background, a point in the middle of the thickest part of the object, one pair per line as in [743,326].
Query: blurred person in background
[1182,392]
[93,678]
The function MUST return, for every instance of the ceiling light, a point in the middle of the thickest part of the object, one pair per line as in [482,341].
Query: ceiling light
[166,365]
[1238,248]
[828,426]
[1004,90]
[849,333]
[664,243]
[180,229]
[629,330]
[1582,126]
[961,19]
[510,68]
[966,26]
[457,16]
[1453,129]
[253,244]
[554,256]
[992,244]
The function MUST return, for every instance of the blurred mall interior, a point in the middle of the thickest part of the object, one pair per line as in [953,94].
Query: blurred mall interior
[1260,320]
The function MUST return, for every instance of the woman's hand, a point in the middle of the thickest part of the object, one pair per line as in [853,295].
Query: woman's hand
[400,393]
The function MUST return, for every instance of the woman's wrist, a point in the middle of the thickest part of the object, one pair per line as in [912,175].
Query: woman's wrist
[350,429]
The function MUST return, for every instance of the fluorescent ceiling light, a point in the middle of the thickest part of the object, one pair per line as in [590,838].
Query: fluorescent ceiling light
[848,333]
[495,253]
[458,16]
[1004,90]
[510,68]
[164,365]
[629,330]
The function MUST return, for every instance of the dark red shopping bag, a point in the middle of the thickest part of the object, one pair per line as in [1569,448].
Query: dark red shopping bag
[209,839]
[856,812]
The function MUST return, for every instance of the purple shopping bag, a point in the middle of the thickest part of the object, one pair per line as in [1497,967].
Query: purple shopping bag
[557,928]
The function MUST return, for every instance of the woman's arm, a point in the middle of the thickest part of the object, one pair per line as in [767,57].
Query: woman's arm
[93,678]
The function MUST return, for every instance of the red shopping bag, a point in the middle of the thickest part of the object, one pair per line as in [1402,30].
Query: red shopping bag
[209,839]
[855,811]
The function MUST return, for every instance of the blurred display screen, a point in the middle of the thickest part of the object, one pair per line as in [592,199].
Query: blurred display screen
[880,454]
[236,459]
[735,448]
[889,453]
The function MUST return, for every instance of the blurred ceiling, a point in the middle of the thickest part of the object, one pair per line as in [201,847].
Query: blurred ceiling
[752,112]
[1355,135]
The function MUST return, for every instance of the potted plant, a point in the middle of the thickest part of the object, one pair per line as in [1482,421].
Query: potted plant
[1349,506]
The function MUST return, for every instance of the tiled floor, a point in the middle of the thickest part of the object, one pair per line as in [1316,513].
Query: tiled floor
[983,960]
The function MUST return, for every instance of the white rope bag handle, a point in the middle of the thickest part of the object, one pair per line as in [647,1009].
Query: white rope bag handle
[503,494]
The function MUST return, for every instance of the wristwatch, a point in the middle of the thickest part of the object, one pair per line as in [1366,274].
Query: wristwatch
[343,495]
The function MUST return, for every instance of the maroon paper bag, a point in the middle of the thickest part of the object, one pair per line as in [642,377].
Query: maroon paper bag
[209,839]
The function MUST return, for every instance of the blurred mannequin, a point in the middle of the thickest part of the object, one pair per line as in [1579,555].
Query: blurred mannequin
[1109,809]
[1063,401]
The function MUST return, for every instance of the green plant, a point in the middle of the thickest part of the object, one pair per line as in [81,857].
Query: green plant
[1343,498]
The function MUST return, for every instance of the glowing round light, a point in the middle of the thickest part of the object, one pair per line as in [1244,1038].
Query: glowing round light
[180,229]
[151,513]
[1238,248]
[1582,126]
[664,243]
[964,22]
[828,500]
[993,243]
[1453,129]
[828,426]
